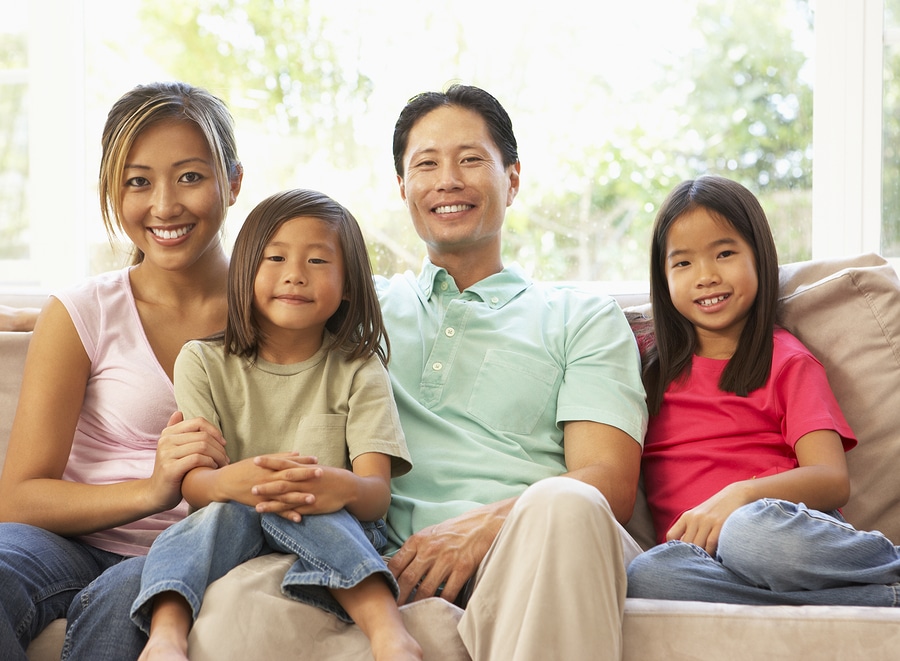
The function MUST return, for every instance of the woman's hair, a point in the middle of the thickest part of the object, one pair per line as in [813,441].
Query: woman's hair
[471,98]
[357,324]
[675,340]
[146,105]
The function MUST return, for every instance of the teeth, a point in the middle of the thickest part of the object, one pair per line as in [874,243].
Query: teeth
[171,234]
[453,208]
[712,301]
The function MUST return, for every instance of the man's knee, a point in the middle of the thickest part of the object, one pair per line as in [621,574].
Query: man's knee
[564,502]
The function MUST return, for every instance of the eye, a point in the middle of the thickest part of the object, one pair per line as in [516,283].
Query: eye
[726,253]
[136,182]
[274,258]
[317,260]
[191,177]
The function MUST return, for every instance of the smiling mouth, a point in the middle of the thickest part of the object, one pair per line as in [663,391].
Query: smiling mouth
[453,208]
[172,234]
[707,302]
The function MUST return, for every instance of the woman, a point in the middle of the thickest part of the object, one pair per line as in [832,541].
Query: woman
[89,482]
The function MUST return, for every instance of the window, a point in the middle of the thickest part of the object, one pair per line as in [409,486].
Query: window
[609,114]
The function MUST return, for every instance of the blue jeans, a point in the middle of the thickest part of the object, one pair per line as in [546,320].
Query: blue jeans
[44,577]
[775,552]
[334,551]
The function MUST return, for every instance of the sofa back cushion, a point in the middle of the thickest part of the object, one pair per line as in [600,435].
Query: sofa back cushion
[847,312]
[13,347]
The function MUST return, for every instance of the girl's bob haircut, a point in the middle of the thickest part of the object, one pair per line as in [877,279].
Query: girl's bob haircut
[357,325]
[675,340]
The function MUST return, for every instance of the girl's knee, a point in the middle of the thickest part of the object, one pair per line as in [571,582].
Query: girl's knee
[655,574]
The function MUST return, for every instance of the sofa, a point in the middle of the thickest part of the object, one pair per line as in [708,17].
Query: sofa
[847,311]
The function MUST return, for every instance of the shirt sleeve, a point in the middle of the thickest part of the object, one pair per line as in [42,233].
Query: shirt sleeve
[602,380]
[807,401]
[373,424]
[193,393]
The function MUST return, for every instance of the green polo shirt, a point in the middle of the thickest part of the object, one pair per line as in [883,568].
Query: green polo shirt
[484,379]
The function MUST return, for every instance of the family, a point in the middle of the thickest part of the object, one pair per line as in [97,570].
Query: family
[463,432]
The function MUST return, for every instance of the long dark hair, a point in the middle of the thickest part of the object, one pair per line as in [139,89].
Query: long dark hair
[357,324]
[675,340]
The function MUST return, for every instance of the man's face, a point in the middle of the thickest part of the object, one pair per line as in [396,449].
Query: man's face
[455,184]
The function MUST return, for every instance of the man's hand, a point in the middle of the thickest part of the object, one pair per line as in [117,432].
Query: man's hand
[447,554]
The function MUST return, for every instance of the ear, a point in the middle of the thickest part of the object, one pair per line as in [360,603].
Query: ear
[402,186]
[513,173]
[235,183]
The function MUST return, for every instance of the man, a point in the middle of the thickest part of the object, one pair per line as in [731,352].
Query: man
[502,383]
[524,414]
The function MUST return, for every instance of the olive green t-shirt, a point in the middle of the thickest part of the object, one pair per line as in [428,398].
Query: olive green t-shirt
[325,406]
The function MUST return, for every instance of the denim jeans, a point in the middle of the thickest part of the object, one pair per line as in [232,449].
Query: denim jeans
[44,577]
[775,552]
[334,551]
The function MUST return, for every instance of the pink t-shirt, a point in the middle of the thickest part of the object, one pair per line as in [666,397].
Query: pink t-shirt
[704,439]
[128,401]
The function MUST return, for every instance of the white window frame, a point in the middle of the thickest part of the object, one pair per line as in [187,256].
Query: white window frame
[847,138]
[847,128]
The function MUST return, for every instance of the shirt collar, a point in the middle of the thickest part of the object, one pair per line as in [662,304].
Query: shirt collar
[496,290]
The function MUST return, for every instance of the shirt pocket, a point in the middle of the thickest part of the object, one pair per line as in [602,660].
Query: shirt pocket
[324,436]
[511,391]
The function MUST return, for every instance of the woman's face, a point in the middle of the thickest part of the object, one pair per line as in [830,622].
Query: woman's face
[171,201]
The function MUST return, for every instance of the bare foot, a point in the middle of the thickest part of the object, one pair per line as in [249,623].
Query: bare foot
[163,648]
[393,646]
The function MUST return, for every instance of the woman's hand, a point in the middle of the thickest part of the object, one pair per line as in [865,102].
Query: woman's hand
[183,446]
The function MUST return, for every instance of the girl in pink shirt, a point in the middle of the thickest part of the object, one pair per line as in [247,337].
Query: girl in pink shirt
[743,461]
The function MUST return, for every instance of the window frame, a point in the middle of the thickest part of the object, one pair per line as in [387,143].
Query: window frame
[847,128]
[847,139]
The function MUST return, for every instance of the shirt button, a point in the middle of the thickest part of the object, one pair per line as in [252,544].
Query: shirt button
[450,332]
[495,300]
[444,286]
[437,367]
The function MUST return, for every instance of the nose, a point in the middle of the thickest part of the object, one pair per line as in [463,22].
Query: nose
[294,274]
[165,203]
[449,177]
[708,275]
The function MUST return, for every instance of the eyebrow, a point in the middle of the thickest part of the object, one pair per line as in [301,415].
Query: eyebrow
[177,164]
[321,245]
[726,241]
[432,150]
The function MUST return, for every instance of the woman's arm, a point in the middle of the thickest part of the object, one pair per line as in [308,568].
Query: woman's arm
[53,387]
[821,482]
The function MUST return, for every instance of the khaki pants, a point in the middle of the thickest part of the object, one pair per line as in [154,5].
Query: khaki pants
[553,584]
[551,587]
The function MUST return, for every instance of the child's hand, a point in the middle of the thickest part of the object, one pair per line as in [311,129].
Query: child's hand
[701,525]
[290,485]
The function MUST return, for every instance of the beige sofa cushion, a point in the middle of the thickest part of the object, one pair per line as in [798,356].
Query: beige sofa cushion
[13,347]
[847,312]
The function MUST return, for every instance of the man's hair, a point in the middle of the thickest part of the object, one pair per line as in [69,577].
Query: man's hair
[469,97]
[675,340]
